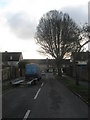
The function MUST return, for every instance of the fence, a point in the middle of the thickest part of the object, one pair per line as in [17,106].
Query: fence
[81,71]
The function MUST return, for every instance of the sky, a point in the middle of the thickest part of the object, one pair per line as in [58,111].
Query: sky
[19,19]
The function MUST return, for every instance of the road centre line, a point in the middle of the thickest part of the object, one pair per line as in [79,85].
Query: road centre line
[37,93]
[42,84]
[27,114]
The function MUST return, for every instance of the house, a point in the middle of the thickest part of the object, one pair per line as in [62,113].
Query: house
[10,62]
[80,64]
[11,58]
[80,57]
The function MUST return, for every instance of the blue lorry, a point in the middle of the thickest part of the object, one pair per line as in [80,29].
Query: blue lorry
[32,71]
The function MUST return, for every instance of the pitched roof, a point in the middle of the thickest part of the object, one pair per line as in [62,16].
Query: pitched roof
[11,56]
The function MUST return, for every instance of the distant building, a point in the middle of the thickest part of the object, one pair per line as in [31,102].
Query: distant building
[10,62]
[44,64]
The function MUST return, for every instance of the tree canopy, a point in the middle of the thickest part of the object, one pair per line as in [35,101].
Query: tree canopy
[58,35]
[84,37]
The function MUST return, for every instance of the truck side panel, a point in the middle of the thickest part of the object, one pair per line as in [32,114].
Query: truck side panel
[32,71]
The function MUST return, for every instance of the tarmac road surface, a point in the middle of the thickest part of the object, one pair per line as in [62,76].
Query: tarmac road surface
[47,99]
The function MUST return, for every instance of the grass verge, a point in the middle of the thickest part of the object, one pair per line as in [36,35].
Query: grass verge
[81,90]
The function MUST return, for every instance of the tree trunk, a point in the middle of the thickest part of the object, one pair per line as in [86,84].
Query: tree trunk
[76,71]
[59,72]
[59,66]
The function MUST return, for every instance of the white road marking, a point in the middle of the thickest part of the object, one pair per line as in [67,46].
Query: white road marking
[37,93]
[27,114]
[42,84]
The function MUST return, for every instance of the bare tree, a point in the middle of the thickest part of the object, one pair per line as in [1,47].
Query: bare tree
[57,34]
[85,36]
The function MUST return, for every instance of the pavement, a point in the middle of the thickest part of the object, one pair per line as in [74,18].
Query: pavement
[47,99]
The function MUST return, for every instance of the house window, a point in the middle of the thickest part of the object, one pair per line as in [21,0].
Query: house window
[10,57]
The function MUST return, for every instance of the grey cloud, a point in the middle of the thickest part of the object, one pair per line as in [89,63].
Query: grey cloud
[24,27]
[78,13]
[21,25]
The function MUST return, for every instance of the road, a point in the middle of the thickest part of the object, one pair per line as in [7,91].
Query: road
[48,99]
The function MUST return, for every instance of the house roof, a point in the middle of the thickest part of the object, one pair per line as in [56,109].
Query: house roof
[38,61]
[82,56]
[11,56]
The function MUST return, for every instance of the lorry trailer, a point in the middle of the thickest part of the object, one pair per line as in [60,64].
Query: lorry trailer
[32,71]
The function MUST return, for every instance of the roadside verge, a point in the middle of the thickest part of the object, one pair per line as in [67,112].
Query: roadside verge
[82,91]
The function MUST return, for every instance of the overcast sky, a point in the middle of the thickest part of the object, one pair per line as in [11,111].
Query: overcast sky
[19,18]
